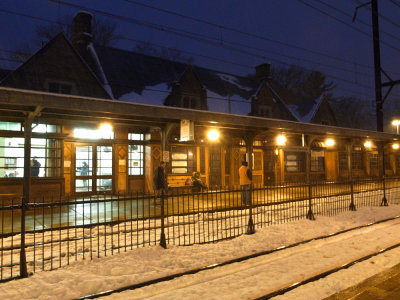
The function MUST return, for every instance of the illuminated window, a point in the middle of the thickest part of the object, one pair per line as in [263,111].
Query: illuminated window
[136,136]
[46,157]
[12,126]
[93,134]
[135,154]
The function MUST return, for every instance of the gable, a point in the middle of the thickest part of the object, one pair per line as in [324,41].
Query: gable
[267,101]
[56,65]
[324,114]
[188,92]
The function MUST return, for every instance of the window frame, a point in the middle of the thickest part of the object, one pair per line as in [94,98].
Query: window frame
[136,139]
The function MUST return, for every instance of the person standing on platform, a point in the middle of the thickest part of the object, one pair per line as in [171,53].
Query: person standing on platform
[245,177]
[35,167]
[159,181]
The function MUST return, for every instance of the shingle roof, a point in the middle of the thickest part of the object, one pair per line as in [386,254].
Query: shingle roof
[134,75]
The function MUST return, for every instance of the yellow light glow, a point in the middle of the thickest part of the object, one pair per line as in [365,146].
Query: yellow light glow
[329,142]
[213,135]
[367,144]
[190,153]
[281,140]
[395,122]
[105,127]
[276,152]
[395,146]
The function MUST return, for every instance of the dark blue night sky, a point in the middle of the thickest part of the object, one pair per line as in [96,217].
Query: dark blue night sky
[288,32]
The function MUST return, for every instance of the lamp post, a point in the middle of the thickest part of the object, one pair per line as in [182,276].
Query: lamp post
[396,123]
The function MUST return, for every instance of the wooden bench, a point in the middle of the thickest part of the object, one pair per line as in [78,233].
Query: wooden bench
[176,185]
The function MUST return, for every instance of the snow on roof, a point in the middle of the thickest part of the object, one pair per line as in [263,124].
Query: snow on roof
[233,80]
[154,95]
[102,75]
[217,103]
[295,110]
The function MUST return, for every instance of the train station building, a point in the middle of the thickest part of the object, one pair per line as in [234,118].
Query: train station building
[98,120]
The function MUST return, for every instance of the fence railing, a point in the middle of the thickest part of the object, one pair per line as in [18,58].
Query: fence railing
[60,231]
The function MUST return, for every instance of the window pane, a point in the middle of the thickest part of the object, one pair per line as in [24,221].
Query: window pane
[11,157]
[83,185]
[135,159]
[104,184]
[136,136]
[13,126]
[104,160]
[92,134]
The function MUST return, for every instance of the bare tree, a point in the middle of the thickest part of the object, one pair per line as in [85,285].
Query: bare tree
[104,33]
[309,84]
[147,47]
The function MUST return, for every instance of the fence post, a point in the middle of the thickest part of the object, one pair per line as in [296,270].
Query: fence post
[384,200]
[310,214]
[22,255]
[352,206]
[250,225]
[163,242]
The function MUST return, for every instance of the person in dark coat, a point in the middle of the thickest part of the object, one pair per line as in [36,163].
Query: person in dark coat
[160,180]
[198,185]
[35,167]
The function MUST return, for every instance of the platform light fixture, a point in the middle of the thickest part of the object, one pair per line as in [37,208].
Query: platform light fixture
[396,123]
[395,146]
[368,144]
[213,134]
[281,140]
[329,142]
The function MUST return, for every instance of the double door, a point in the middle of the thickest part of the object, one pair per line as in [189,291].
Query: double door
[93,169]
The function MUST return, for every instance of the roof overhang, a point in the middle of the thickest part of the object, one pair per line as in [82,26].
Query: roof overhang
[16,102]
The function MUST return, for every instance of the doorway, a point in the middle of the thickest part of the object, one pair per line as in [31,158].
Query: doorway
[93,168]
[215,167]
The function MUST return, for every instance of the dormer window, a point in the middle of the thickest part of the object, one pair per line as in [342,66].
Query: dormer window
[60,87]
[264,111]
[190,102]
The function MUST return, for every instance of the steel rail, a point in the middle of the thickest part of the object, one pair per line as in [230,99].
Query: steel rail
[247,257]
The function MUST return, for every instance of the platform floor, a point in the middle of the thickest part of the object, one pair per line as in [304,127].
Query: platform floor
[385,285]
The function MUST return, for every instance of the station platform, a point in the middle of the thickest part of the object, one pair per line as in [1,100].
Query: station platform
[385,285]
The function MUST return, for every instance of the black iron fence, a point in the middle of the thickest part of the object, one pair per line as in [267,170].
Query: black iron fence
[60,231]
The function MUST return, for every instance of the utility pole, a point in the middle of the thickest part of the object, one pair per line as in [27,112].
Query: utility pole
[377,65]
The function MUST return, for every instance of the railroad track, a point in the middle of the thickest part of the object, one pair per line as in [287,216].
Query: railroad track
[296,248]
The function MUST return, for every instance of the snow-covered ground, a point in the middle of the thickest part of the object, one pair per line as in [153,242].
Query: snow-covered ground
[244,280]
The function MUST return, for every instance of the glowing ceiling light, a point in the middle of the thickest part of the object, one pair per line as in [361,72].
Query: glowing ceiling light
[329,142]
[367,144]
[213,134]
[281,140]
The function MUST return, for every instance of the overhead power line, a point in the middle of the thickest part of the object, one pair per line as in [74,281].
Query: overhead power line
[194,36]
[209,23]
[344,23]
[351,16]
[186,34]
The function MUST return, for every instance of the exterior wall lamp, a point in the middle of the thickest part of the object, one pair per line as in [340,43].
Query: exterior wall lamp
[329,142]
[368,144]
[396,123]
[281,140]
[213,134]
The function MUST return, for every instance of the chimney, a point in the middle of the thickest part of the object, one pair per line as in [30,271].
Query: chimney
[263,71]
[82,35]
